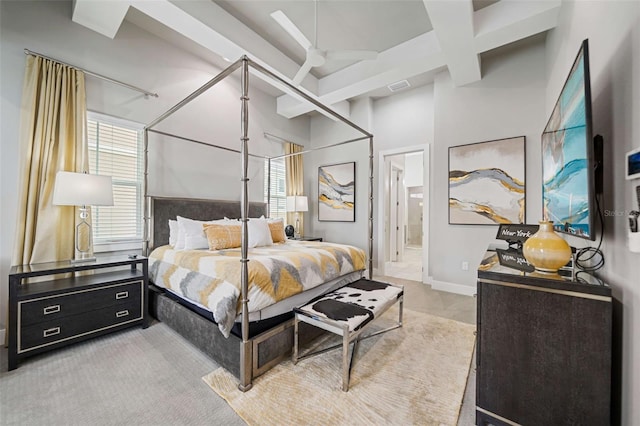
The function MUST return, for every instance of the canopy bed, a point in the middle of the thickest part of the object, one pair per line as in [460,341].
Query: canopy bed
[259,321]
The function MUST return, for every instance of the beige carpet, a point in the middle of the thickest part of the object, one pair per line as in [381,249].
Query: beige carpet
[412,375]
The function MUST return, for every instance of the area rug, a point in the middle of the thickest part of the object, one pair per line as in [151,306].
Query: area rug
[412,375]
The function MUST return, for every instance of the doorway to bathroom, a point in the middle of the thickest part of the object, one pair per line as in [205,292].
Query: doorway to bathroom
[404,208]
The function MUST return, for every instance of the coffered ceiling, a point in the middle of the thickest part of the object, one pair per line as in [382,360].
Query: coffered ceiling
[414,39]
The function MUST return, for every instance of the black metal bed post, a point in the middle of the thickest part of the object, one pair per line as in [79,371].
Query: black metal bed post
[245,346]
[370,207]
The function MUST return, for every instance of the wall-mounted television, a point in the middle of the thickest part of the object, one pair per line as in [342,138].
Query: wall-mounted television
[571,156]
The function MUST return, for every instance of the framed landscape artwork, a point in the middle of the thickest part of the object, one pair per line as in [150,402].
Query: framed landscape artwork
[487,182]
[337,192]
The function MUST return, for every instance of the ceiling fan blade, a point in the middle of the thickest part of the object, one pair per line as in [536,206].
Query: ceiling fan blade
[290,28]
[361,55]
[302,73]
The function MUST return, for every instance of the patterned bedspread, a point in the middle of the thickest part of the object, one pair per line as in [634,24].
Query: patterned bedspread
[212,278]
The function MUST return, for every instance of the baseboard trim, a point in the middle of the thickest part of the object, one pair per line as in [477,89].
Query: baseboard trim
[452,287]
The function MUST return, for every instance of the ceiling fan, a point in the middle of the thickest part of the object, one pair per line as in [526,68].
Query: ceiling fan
[316,57]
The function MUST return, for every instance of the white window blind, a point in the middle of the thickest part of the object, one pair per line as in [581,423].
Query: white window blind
[278,204]
[115,149]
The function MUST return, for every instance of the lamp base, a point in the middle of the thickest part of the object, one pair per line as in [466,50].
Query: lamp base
[84,240]
[297,228]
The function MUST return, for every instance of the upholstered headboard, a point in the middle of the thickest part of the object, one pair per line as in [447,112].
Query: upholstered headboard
[162,209]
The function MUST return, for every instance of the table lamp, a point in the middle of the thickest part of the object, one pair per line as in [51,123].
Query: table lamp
[297,204]
[82,189]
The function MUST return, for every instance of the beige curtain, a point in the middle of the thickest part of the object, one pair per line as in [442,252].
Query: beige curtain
[52,126]
[295,179]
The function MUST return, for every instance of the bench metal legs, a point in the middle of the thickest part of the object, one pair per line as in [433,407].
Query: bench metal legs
[346,366]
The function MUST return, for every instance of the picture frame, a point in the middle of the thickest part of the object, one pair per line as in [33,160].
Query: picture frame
[337,192]
[487,182]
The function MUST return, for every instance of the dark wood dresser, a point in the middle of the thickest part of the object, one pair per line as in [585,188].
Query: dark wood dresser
[544,345]
[73,302]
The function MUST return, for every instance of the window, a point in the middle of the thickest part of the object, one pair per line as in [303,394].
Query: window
[278,205]
[115,149]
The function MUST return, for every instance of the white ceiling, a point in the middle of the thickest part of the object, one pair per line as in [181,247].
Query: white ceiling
[415,39]
[366,25]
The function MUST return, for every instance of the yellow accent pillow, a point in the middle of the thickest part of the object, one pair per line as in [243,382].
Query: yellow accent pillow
[276,226]
[223,236]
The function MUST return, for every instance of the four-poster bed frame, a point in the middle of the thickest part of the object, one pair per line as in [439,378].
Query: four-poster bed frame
[248,364]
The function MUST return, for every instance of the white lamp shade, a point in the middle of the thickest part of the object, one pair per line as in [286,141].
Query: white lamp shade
[82,189]
[297,203]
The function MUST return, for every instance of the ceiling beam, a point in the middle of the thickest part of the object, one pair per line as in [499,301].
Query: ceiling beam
[405,60]
[102,16]
[453,24]
[507,21]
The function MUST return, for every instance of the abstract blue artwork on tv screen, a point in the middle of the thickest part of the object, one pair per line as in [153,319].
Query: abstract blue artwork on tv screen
[565,158]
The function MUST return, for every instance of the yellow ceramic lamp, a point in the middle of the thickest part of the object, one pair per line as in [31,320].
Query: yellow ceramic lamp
[546,250]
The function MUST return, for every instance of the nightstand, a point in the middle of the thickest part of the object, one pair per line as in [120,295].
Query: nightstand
[306,238]
[74,302]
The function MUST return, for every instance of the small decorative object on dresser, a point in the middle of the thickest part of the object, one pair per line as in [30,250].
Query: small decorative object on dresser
[50,314]
[289,231]
[546,250]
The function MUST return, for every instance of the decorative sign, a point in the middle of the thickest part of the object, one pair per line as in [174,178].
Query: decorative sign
[516,233]
[514,259]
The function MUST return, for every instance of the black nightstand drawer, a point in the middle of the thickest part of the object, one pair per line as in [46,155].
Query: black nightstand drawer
[50,308]
[68,327]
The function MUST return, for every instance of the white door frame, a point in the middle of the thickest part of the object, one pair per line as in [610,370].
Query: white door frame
[396,214]
[382,173]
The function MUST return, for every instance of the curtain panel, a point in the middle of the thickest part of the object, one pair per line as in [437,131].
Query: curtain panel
[294,172]
[52,138]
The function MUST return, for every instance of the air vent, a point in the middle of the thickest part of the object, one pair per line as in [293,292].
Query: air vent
[398,85]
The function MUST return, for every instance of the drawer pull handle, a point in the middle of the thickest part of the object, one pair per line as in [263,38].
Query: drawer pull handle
[122,295]
[51,332]
[51,309]
[121,314]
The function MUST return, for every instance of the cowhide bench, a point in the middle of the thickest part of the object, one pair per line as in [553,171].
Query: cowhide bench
[346,312]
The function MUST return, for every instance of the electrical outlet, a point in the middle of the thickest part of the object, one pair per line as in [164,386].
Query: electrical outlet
[465,266]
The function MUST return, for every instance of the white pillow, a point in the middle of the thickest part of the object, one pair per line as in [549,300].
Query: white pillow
[173,232]
[259,233]
[191,234]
